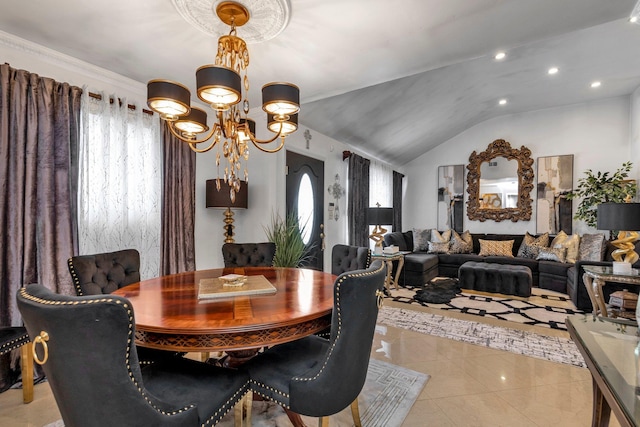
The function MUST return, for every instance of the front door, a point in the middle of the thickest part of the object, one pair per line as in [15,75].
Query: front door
[305,198]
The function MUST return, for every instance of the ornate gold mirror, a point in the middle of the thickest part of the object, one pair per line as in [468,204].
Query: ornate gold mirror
[499,182]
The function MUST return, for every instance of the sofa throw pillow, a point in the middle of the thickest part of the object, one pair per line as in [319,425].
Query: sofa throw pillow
[496,248]
[421,239]
[438,247]
[552,254]
[438,237]
[529,251]
[529,241]
[461,243]
[571,243]
[591,247]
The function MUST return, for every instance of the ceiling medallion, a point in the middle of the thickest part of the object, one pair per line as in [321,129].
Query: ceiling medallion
[268,17]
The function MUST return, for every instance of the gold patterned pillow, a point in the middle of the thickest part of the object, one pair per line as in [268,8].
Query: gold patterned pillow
[461,243]
[496,248]
[531,244]
[570,243]
[438,247]
[438,237]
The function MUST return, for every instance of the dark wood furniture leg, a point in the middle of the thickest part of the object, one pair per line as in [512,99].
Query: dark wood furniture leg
[601,408]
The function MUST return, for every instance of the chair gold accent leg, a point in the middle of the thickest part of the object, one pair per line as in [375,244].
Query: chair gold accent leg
[26,367]
[204,356]
[323,422]
[355,413]
[248,402]
[237,413]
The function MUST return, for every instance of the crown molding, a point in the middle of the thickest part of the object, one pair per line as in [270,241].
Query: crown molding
[70,63]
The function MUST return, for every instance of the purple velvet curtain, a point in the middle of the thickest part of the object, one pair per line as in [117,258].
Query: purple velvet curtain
[177,245]
[397,201]
[39,127]
[358,202]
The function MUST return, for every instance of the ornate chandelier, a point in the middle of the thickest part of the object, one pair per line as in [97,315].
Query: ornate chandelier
[221,86]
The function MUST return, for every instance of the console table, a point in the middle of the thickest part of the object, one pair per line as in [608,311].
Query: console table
[595,278]
[611,351]
[388,259]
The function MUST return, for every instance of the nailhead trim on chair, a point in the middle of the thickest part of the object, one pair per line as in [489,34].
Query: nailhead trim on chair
[30,297]
[217,416]
[74,277]
[338,335]
[13,344]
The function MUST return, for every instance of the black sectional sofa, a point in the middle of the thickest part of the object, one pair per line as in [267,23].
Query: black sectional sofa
[421,267]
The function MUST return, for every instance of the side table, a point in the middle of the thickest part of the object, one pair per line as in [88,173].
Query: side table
[595,278]
[388,259]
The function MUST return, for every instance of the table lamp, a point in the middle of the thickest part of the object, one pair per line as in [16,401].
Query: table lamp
[625,218]
[222,199]
[378,216]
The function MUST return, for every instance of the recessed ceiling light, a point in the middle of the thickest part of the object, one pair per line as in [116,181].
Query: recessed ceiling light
[553,70]
[500,55]
[595,84]
[633,19]
[502,102]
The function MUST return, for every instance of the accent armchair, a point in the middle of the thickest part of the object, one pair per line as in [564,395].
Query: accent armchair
[85,345]
[319,377]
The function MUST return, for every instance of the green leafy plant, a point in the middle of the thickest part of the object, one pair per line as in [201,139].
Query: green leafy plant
[287,235]
[601,187]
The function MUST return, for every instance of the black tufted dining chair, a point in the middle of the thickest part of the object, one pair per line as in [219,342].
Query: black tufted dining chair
[12,338]
[104,273]
[248,254]
[86,348]
[319,377]
[348,258]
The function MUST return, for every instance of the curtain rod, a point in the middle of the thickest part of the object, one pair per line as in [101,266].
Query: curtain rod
[111,100]
[99,98]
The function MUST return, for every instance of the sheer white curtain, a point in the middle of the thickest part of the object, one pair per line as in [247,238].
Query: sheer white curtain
[380,190]
[380,184]
[119,181]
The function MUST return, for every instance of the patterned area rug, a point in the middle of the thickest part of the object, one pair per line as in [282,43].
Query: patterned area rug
[555,349]
[543,308]
[388,394]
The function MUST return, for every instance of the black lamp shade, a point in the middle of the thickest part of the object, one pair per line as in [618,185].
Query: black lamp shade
[380,216]
[280,98]
[289,125]
[619,216]
[167,98]
[194,122]
[218,86]
[251,124]
[222,198]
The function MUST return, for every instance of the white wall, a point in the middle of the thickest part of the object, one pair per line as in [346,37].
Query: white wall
[596,133]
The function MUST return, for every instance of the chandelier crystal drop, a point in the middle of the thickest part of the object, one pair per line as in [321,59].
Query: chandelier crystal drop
[224,86]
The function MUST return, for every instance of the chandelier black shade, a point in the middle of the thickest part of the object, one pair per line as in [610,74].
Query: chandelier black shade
[167,98]
[194,122]
[280,98]
[289,125]
[218,86]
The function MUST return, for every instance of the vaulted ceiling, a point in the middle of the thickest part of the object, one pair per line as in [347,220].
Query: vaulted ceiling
[392,78]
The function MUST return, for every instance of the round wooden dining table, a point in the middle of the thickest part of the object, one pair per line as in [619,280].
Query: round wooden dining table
[170,316]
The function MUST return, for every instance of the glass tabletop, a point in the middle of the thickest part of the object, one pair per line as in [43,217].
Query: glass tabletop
[608,271]
[614,348]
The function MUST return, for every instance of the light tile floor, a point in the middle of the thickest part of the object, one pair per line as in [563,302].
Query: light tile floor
[469,386]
